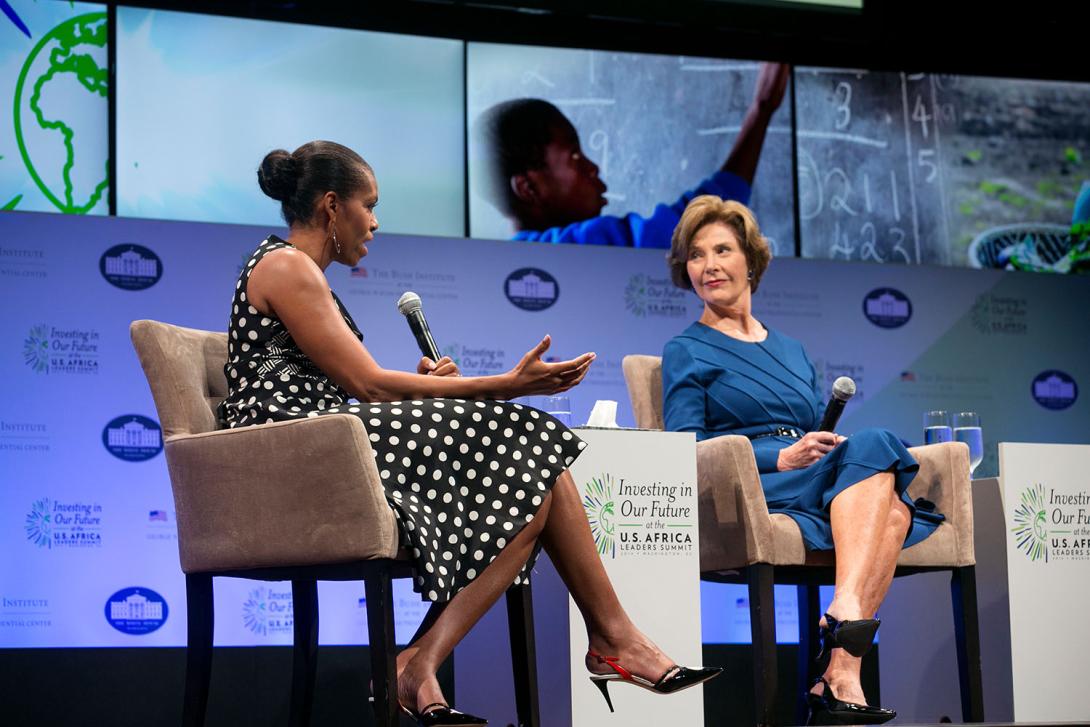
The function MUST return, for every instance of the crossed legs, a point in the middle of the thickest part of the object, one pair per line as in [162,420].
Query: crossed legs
[561,525]
[869,527]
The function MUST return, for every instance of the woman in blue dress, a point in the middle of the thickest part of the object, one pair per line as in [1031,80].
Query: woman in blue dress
[729,374]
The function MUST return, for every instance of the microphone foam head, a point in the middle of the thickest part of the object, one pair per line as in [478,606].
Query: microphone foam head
[410,302]
[843,388]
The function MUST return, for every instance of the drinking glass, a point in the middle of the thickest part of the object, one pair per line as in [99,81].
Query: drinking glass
[967,429]
[936,427]
[559,407]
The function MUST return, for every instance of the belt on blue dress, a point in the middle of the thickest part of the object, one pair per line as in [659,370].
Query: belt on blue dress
[778,432]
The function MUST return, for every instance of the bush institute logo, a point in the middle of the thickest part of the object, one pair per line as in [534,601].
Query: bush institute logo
[49,350]
[598,502]
[1031,524]
[531,289]
[133,438]
[130,267]
[1054,390]
[646,296]
[136,611]
[266,611]
[51,524]
[887,308]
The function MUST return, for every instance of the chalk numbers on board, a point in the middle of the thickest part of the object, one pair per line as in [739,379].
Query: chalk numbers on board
[843,97]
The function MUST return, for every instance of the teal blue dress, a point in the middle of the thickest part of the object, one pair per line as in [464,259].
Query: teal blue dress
[713,384]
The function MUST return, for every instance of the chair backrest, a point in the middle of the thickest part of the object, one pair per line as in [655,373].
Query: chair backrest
[184,367]
[643,374]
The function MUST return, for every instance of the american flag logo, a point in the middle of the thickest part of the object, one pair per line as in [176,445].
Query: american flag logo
[160,515]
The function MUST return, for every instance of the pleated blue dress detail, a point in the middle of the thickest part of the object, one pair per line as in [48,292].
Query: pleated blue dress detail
[714,384]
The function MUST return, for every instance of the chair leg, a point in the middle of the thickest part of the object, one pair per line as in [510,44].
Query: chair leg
[520,625]
[809,605]
[304,598]
[762,626]
[967,636]
[380,630]
[200,620]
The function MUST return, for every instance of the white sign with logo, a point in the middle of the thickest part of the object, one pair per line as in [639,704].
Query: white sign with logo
[1046,502]
[639,491]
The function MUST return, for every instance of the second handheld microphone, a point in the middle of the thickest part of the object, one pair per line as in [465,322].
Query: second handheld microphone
[843,389]
[409,306]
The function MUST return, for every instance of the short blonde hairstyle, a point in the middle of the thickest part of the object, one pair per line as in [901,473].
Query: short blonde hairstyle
[708,209]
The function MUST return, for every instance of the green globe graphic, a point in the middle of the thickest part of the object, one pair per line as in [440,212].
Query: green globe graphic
[60,138]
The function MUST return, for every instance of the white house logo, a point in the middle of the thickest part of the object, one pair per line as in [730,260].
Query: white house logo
[1055,390]
[531,289]
[647,296]
[54,524]
[133,438]
[51,350]
[130,267]
[598,503]
[267,611]
[887,308]
[136,611]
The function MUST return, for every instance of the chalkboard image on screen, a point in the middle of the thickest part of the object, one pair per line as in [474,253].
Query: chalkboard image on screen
[655,125]
[909,168]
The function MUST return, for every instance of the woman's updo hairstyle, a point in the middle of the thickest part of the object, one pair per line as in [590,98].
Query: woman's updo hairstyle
[298,179]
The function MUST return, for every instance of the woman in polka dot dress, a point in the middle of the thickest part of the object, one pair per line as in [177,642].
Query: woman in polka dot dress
[475,483]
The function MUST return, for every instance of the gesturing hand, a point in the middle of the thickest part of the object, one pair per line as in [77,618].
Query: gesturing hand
[444,367]
[803,453]
[533,376]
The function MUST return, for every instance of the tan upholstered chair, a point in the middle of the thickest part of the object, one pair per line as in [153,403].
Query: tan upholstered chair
[298,501]
[741,542]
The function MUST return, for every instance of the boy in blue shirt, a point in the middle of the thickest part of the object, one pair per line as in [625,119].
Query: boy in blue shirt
[537,175]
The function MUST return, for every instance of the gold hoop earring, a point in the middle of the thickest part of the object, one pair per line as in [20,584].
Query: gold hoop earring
[335,243]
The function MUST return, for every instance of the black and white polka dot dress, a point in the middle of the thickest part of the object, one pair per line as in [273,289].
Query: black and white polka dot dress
[462,476]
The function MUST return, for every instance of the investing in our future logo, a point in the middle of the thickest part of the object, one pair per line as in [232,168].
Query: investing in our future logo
[887,308]
[39,523]
[598,503]
[1030,524]
[531,289]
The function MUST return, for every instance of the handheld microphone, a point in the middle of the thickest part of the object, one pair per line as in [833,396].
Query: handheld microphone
[409,306]
[843,389]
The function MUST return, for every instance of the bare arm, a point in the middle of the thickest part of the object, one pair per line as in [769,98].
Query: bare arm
[287,284]
[746,152]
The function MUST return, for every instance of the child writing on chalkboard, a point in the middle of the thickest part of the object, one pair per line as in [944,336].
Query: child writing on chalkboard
[536,174]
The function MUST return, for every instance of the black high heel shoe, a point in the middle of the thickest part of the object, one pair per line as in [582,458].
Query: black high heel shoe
[827,709]
[674,679]
[855,637]
[438,714]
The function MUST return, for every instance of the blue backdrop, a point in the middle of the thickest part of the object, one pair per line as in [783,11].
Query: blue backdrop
[86,515]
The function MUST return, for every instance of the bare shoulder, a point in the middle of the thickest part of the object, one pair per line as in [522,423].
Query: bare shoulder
[284,273]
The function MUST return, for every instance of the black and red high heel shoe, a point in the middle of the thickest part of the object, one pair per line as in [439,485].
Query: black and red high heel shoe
[674,679]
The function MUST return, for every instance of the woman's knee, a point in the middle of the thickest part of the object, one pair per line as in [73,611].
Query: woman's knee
[899,518]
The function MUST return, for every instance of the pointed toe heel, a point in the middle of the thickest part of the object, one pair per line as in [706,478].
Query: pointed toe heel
[827,709]
[674,679]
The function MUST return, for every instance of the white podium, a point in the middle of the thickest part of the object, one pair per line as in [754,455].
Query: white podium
[639,492]
[1046,504]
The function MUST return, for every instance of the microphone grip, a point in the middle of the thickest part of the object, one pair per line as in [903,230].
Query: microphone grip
[833,410]
[419,326]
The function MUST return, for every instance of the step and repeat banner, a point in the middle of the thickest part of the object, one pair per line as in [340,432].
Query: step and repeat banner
[87,525]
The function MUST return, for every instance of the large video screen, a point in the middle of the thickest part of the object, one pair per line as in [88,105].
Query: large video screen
[948,170]
[202,99]
[654,128]
[54,132]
